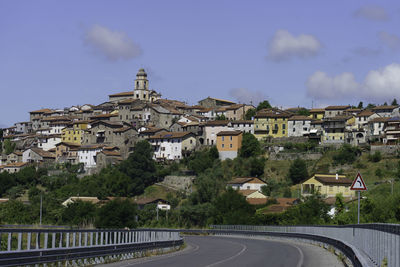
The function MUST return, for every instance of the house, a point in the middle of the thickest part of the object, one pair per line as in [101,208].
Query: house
[172,145]
[282,205]
[299,126]
[146,132]
[333,129]
[271,122]
[246,126]
[229,143]
[37,155]
[70,200]
[317,113]
[67,152]
[386,111]
[251,183]
[108,156]
[237,111]
[48,142]
[13,167]
[254,197]
[211,128]
[333,111]
[376,128]
[363,118]
[14,157]
[392,131]
[214,103]
[328,185]
[23,127]
[88,154]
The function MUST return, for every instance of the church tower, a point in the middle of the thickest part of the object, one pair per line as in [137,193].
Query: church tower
[142,90]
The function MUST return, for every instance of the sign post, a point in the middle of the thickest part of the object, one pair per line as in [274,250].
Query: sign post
[358,185]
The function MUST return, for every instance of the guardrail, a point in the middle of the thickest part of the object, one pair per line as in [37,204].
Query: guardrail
[36,246]
[379,242]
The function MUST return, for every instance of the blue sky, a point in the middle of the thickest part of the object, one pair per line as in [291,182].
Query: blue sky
[294,53]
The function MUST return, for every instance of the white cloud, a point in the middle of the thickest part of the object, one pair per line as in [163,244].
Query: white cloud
[246,96]
[112,45]
[321,86]
[284,45]
[391,40]
[382,84]
[375,13]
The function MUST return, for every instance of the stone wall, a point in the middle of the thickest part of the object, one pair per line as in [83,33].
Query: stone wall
[386,149]
[293,156]
[179,182]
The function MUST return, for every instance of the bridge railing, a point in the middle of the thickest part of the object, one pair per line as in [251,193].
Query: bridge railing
[35,246]
[378,242]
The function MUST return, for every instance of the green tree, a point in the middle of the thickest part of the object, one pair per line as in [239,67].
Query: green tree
[394,102]
[79,213]
[8,146]
[220,117]
[370,106]
[250,113]
[360,105]
[117,214]
[262,105]
[298,171]
[257,166]
[250,146]
[303,112]
[346,154]
[232,208]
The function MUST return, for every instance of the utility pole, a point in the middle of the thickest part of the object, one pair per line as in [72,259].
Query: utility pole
[157,212]
[41,207]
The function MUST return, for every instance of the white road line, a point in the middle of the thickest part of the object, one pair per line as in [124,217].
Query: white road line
[244,247]
[162,257]
[301,261]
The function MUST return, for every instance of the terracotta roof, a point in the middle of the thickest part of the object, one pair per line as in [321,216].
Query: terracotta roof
[229,133]
[129,101]
[217,99]
[107,115]
[380,119]
[43,153]
[331,179]
[68,144]
[337,107]
[284,201]
[123,129]
[252,180]
[272,113]
[365,113]
[41,110]
[57,118]
[90,147]
[379,108]
[170,135]
[217,123]
[111,153]
[242,122]
[15,165]
[257,201]
[122,94]
[276,208]
[246,192]
[152,130]
[300,118]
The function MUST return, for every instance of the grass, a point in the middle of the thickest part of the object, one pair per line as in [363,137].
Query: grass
[157,191]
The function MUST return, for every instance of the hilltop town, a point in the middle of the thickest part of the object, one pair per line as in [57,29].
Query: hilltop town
[104,134]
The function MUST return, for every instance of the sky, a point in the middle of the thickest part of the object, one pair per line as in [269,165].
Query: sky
[310,53]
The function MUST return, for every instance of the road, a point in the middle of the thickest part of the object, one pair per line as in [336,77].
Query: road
[210,251]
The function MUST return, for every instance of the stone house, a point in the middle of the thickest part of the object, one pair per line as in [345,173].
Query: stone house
[108,156]
[37,155]
[333,111]
[214,103]
[299,126]
[15,156]
[211,128]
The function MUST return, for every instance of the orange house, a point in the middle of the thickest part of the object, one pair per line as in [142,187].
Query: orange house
[229,143]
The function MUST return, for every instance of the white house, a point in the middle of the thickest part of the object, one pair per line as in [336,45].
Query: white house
[386,111]
[250,183]
[47,142]
[299,126]
[172,145]
[244,126]
[37,155]
[364,117]
[377,127]
[211,128]
[87,155]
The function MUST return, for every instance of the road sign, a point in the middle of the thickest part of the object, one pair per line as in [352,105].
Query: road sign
[358,184]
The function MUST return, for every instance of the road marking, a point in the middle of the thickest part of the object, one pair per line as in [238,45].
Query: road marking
[162,257]
[244,247]
[301,261]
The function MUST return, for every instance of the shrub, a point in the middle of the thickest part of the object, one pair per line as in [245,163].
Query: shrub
[376,157]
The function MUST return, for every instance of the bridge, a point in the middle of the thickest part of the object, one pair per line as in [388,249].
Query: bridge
[236,245]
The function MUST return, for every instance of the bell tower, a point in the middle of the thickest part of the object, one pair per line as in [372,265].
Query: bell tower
[141,90]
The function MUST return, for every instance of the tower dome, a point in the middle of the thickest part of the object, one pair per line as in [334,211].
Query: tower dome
[141,73]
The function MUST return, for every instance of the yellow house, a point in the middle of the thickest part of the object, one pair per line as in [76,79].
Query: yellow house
[75,133]
[328,185]
[317,113]
[271,122]
[229,143]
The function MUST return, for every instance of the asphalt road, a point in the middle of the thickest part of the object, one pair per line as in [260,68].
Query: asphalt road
[209,251]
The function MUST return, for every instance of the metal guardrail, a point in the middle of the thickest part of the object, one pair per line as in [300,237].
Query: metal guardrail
[378,242]
[35,246]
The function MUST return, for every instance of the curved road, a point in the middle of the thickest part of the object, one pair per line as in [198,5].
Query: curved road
[209,251]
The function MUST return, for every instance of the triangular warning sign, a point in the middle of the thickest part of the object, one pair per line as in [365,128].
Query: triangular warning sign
[358,184]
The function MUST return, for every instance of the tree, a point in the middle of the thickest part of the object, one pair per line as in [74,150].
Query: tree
[262,105]
[370,106]
[117,214]
[257,166]
[303,112]
[360,105]
[232,208]
[298,171]
[250,113]
[8,146]
[250,146]
[346,154]
[79,213]
[394,102]
[220,117]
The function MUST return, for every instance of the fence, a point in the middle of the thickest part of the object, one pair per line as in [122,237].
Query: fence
[377,242]
[35,246]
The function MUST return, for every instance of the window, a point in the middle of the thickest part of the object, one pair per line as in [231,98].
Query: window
[230,145]
[283,126]
[223,138]
[231,138]
[223,145]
